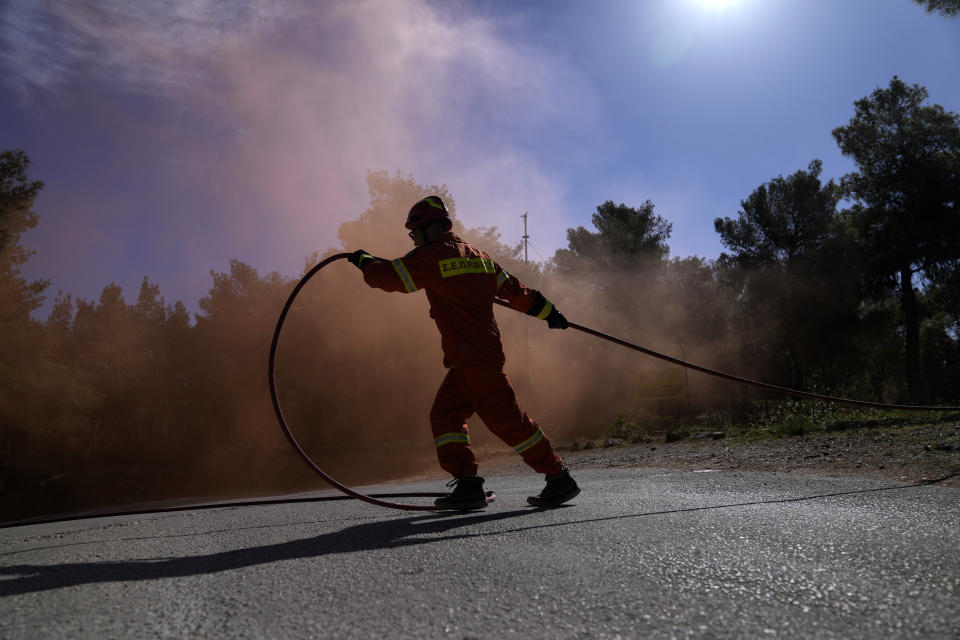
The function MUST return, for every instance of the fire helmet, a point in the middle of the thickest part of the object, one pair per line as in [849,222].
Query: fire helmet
[426,211]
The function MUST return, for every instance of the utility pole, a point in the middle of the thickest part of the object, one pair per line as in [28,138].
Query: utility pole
[526,275]
[525,238]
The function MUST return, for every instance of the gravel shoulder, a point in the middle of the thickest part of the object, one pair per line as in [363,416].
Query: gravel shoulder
[921,453]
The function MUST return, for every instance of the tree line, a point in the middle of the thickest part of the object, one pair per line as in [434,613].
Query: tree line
[847,287]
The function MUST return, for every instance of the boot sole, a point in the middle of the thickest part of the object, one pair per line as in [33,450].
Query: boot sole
[467,506]
[537,501]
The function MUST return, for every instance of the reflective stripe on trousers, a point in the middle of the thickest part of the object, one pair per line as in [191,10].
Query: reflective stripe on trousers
[488,393]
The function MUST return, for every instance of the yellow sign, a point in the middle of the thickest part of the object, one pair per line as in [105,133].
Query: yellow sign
[661,383]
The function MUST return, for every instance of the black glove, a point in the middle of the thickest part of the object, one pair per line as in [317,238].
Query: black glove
[556,320]
[358,257]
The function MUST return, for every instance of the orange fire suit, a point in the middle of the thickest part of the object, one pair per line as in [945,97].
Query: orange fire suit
[461,283]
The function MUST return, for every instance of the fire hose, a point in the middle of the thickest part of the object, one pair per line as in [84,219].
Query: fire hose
[755,383]
[377,498]
[286,429]
[572,325]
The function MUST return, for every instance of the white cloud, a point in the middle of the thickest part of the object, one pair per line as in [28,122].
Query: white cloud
[316,95]
[149,47]
[419,92]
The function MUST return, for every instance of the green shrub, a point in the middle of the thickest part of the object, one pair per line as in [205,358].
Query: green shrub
[624,429]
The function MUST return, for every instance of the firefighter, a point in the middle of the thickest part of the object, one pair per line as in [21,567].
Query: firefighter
[461,282]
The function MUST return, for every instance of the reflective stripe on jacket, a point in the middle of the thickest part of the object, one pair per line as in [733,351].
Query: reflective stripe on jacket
[461,282]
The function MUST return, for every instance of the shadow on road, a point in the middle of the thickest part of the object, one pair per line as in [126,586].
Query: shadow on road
[369,536]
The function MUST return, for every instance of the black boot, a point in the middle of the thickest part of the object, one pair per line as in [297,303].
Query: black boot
[467,494]
[560,488]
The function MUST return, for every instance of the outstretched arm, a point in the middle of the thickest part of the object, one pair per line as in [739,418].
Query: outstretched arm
[389,275]
[529,301]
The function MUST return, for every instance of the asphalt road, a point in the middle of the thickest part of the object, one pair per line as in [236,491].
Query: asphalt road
[642,553]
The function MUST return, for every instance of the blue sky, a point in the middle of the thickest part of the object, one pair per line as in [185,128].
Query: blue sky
[174,136]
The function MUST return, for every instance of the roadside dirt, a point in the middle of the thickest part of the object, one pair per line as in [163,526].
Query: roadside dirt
[910,454]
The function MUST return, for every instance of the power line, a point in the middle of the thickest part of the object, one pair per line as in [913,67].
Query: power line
[537,252]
